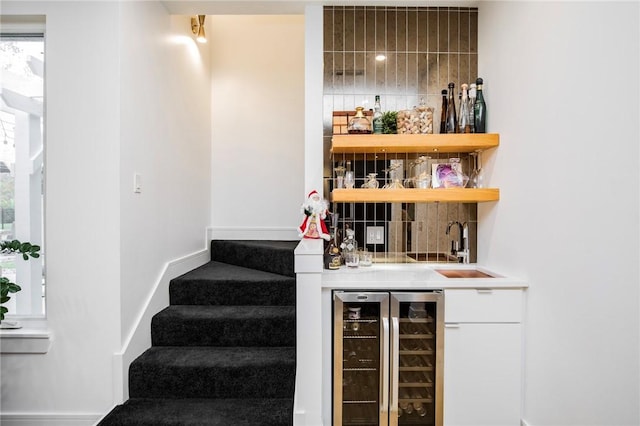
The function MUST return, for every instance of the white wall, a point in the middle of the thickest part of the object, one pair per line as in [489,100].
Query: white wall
[128,91]
[82,215]
[257,126]
[561,82]
[165,137]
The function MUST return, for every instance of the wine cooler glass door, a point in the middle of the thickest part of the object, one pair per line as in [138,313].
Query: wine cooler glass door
[361,353]
[416,361]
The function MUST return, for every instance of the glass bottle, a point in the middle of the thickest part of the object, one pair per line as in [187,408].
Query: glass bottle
[472,103]
[479,109]
[452,118]
[377,116]
[332,258]
[464,111]
[359,124]
[443,114]
[350,249]
[349,179]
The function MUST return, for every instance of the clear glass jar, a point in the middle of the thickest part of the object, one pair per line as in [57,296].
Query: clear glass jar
[415,121]
[359,124]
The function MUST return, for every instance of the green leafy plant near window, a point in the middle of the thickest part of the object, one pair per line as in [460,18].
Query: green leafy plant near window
[7,247]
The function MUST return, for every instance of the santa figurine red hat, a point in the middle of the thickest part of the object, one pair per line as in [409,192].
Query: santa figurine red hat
[315,211]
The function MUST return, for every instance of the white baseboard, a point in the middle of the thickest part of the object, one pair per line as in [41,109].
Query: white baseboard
[48,419]
[139,338]
[254,233]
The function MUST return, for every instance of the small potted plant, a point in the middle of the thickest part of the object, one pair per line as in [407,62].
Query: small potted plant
[6,286]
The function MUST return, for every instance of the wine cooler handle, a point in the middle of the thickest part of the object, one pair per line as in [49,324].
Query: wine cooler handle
[395,365]
[384,406]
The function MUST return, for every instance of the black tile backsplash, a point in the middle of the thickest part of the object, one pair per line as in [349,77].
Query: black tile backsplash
[426,48]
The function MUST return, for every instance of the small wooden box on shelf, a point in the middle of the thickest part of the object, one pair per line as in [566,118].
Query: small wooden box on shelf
[341,120]
[414,144]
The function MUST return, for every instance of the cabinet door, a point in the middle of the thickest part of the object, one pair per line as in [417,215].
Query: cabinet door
[482,374]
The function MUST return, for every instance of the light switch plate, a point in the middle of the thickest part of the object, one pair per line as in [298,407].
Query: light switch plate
[137,183]
[375,234]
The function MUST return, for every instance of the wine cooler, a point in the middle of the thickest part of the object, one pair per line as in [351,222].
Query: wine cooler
[387,359]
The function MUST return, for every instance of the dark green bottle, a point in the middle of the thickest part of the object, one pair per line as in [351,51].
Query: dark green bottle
[452,117]
[479,109]
[443,115]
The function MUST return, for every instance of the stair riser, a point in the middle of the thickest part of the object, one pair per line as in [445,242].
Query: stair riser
[278,293]
[202,412]
[264,258]
[247,382]
[220,332]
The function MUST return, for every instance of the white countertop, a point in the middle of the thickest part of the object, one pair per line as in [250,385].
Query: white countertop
[413,276]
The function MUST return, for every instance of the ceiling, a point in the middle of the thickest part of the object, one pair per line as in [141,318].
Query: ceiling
[287,7]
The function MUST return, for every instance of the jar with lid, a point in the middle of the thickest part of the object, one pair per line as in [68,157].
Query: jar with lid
[359,124]
[418,120]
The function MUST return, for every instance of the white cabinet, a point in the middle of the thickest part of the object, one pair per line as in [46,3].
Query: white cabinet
[482,357]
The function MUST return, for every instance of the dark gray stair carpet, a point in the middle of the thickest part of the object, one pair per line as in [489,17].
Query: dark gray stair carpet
[213,372]
[223,352]
[268,256]
[202,325]
[203,412]
[217,283]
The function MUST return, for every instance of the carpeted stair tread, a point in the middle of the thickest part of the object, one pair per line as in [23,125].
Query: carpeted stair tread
[219,325]
[202,412]
[217,283]
[266,255]
[213,372]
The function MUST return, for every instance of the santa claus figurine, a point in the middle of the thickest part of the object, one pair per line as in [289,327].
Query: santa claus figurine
[315,211]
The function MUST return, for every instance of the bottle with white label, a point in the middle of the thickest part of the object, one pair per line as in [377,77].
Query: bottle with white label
[377,116]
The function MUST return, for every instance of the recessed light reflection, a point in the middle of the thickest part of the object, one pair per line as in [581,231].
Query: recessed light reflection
[380,57]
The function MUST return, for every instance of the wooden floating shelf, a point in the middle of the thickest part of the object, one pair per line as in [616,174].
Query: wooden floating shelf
[415,195]
[423,144]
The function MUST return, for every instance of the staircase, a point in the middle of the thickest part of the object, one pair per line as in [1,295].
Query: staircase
[223,353]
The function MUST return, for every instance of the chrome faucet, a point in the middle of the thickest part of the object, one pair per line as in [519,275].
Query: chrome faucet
[460,248]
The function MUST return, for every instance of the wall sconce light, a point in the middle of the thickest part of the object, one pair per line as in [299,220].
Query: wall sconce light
[197,28]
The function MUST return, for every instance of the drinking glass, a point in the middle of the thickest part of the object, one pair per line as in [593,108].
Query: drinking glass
[340,176]
[366,257]
[349,179]
[352,259]
[476,180]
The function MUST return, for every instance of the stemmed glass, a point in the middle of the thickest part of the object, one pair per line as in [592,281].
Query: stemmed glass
[396,184]
[476,180]
[371,182]
[410,180]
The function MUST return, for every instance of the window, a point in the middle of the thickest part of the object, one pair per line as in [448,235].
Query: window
[22,165]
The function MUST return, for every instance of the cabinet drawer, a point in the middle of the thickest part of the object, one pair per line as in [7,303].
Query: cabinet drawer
[482,305]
